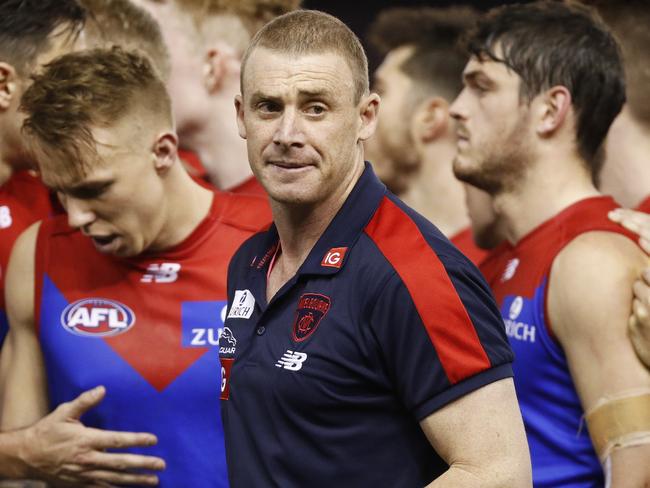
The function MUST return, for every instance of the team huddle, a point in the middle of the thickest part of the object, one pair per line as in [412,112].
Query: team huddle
[230,257]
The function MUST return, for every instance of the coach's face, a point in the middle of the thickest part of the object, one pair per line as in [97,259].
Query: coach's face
[303,125]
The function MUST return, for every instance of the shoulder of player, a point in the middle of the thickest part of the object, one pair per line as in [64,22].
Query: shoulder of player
[247,212]
[592,277]
[597,252]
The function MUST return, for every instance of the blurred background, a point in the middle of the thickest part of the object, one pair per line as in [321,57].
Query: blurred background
[359,15]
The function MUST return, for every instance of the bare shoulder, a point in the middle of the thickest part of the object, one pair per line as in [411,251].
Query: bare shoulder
[593,263]
[19,285]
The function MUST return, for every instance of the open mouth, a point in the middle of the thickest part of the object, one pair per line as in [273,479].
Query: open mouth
[104,243]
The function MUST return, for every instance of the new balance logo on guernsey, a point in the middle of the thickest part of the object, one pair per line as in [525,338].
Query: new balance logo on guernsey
[292,361]
[242,306]
[161,273]
[5,217]
[511,269]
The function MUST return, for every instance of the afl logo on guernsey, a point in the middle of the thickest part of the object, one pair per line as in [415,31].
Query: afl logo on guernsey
[97,317]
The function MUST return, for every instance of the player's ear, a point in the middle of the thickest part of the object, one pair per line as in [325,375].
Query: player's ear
[8,85]
[220,61]
[430,120]
[165,151]
[553,109]
[239,108]
[369,113]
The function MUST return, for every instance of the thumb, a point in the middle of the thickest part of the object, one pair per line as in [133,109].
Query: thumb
[74,409]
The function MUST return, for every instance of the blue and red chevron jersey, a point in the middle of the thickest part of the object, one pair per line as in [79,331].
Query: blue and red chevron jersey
[147,328]
[383,324]
[644,206]
[561,450]
[23,201]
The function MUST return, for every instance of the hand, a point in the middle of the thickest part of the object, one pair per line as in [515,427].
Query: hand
[61,450]
[639,321]
[637,222]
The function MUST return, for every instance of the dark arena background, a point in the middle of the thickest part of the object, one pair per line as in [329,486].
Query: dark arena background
[359,15]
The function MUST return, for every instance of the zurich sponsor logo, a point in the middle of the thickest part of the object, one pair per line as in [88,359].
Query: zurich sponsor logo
[243,305]
[517,324]
[515,308]
[97,317]
[202,323]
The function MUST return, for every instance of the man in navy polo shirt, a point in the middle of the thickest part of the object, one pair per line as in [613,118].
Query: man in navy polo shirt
[360,347]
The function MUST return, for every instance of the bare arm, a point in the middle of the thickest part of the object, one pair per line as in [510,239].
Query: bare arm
[589,302]
[481,436]
[23,371]
[639,321]
[56,448]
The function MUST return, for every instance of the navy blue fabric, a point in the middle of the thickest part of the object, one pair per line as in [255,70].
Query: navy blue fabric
[342,406]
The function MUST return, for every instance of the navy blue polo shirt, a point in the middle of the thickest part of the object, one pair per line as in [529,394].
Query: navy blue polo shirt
[383,324]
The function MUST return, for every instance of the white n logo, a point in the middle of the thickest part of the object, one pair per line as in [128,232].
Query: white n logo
[161,273]
[291,360]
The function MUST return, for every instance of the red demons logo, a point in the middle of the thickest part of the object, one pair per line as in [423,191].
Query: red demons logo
[312,307]
[334,257]
[97,317]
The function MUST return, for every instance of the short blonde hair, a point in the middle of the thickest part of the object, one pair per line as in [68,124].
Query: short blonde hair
[313,32]
[84,90]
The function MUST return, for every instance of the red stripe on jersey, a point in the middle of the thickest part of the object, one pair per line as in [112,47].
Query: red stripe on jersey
[444,316]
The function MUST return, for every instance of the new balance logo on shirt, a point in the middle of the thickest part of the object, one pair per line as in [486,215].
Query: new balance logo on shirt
[292,361]
[161,273]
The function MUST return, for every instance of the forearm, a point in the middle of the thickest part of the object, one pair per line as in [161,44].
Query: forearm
[459,476]
[629,467]
[12,446]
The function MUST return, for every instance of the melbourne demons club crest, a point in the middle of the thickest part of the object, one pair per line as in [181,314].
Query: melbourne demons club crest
[312,307]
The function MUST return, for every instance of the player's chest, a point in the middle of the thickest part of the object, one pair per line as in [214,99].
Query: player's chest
[164,302]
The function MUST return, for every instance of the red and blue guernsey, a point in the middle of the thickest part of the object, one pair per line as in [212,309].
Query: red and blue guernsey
[23,201]
[644,206]
[561,450]
[383,324]
[147,328]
